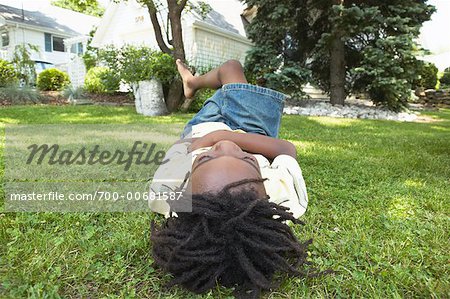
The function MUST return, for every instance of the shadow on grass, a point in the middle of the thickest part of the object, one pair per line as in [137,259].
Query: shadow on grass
[378,193]
[82,115]
[378,214]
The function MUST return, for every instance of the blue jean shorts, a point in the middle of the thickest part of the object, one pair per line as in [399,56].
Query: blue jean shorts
[251,108]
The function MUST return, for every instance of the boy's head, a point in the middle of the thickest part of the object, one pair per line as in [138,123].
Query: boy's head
[224,164]
[232,236]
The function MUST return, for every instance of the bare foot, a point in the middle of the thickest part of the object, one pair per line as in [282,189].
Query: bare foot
[186,75]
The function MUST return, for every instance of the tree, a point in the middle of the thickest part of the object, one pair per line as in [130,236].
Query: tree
[172,41]
[428,76]
[23,63]
[173,46]
[348,45]
[445,79]
[89,7]
[275,61]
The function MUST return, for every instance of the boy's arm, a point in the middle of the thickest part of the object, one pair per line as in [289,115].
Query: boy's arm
[252,143]
[189,140]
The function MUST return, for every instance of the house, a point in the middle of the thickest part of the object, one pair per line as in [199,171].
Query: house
[209,39]
[59,33]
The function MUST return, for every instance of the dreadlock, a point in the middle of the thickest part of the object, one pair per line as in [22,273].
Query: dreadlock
[233,238]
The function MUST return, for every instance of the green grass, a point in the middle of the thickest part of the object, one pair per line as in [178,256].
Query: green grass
[379,216]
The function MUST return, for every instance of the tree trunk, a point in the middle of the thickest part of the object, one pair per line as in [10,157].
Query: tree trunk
[157,27]
[185,106]
[174,96]
[175,10]
[337,70]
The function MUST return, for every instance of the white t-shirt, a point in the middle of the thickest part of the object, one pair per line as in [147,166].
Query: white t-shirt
[284,185]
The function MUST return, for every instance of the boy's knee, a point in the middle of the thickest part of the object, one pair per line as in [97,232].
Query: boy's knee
[232,72]
[233,64]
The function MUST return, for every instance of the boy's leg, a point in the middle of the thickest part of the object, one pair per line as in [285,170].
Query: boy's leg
[229,72]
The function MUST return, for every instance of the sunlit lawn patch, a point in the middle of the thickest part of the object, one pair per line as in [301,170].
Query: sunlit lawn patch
[378,214]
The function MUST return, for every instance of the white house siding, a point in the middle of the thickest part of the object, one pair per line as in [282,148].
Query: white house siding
[131,25]
[211,48]
[21,35]
[24,35]
[188,40]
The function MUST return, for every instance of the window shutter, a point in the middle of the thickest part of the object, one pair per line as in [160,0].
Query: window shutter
[80,48]
[48,42]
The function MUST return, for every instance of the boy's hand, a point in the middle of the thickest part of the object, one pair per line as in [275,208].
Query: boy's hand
[252,143]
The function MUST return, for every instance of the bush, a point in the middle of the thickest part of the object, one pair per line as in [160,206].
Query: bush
[8,74]
[142,63]
[200,98]
[90,60]
[20,95]
[163,67]
[445,79]
[101,80]
[427,76]
[90,57]
[52,79]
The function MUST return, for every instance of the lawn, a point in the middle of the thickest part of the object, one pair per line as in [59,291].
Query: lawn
[379,216]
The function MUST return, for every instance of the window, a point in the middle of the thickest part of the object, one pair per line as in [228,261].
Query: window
[53,43]
[5,38]
[58,44]
[48,42]
[76,48]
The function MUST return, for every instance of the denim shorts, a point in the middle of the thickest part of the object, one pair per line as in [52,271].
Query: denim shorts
[251,108]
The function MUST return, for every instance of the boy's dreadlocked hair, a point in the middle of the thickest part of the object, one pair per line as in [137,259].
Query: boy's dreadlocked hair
[229,237]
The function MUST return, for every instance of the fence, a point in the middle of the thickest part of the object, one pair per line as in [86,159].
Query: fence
[76,70]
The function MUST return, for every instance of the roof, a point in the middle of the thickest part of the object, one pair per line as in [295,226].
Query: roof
[47,17]
[225,14]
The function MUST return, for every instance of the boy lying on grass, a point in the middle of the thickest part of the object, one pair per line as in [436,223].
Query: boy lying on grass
[245,184]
